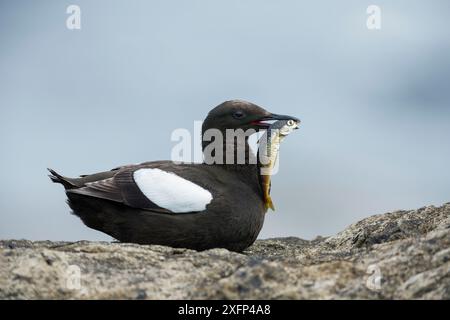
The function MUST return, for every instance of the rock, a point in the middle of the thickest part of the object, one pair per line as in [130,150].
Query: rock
[398,255]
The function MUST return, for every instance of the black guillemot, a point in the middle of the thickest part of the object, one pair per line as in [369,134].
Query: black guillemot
[215,204]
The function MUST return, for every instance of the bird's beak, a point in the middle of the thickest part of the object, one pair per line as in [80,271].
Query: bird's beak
[266,121]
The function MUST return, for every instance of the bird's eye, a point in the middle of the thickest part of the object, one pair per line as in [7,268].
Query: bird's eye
[238,115]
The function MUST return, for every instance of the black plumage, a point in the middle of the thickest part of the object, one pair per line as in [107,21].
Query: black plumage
[112,201]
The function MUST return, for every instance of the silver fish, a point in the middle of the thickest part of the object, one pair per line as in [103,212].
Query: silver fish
[269,146]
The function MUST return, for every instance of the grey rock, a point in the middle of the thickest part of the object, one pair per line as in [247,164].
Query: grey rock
[397,255]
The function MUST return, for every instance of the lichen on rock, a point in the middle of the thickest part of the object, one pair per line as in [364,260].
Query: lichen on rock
[397,255]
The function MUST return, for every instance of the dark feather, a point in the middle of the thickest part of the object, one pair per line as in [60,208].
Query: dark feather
[57,178]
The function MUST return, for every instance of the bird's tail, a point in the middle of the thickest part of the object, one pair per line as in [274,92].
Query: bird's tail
[57,178]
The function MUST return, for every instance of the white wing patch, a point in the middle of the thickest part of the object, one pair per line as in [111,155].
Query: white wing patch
[172,192]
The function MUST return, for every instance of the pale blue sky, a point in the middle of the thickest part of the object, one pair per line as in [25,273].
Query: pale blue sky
[375,105]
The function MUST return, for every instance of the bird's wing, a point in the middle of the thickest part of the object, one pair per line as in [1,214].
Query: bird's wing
[154,187]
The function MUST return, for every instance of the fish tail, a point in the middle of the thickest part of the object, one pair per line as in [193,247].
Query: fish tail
[268,203]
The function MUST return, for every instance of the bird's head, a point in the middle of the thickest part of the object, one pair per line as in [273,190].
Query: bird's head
[239,114]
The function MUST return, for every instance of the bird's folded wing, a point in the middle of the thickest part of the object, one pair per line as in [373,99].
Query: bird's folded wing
[104,189]
[150,189]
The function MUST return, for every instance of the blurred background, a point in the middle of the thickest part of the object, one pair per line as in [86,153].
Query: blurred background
[375,104]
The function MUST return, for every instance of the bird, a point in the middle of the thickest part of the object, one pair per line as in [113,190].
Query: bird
[199,206]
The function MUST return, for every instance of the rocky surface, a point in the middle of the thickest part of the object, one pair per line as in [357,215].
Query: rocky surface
[398,255]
